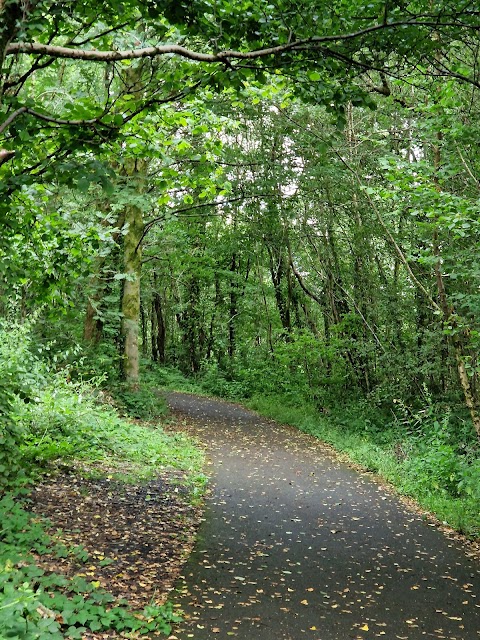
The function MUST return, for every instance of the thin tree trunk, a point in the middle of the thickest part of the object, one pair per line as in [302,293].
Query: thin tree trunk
[11,13]
[143,325]
[158,337]
[153,331]
[209,349]
[93,326]
[233,307]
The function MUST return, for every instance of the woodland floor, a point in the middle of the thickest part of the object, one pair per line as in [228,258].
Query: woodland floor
[137,537]
[294,543]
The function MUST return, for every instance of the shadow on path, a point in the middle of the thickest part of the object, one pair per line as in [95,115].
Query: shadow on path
[297,545]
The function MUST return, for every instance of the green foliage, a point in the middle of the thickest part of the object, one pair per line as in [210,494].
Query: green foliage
[21,373]
[170,378]
[213,380]
[144,403]
[50,417]
[57,419]
[66,421]
[440,451]
[302,369]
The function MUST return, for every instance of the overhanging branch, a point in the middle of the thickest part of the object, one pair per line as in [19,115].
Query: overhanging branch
[94,55]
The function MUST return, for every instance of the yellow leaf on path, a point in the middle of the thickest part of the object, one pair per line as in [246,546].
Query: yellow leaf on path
[304,602]
[364,628]
[313,628]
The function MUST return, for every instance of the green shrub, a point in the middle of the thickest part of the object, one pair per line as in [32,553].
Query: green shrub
[21,374]
[146,403]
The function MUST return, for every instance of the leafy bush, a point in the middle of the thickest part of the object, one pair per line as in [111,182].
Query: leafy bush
[165,377]
[45,416]
[21,373]
[66,420]
[218,383]
[145,403]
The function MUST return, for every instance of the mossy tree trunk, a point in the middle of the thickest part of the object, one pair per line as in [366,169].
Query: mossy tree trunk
[132,260]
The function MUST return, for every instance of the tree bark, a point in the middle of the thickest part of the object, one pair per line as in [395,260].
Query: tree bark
[233,306]
[132,258]
[93,326]
[158,329]
[448,312]
[11,13]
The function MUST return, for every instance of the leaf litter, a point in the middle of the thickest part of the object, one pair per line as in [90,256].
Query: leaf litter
[130,539]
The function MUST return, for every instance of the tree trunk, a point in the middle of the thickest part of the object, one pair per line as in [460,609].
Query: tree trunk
[11,14]
[449,318]
[158,329]
[131,294]
[93,326]
[278,272]
[132,258]
[233,307]
[143,325]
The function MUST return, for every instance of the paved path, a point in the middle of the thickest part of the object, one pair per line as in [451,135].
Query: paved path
[296,545]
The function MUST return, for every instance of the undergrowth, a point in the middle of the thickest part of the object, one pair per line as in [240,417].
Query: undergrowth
[46,418]
[39,605]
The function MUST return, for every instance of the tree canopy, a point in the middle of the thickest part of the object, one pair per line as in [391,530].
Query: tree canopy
[278,195]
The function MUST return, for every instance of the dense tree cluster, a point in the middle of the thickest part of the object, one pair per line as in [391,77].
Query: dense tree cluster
[283,195]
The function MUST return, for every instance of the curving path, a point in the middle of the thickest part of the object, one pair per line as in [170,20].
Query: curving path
[296,545]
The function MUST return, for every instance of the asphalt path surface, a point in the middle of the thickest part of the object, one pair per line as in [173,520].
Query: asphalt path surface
[296,545]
